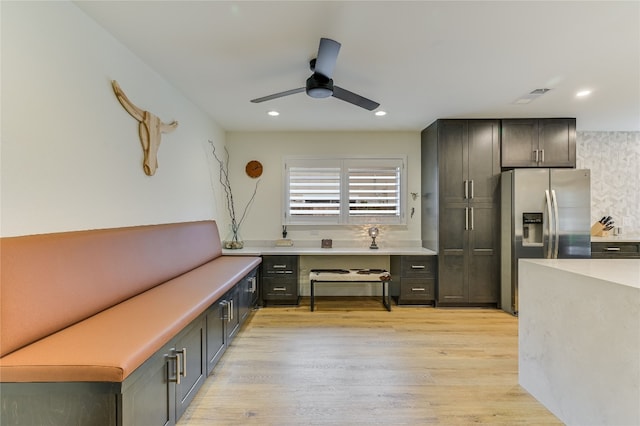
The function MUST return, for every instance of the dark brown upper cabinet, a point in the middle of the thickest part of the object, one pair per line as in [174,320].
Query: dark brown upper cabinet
[545,142]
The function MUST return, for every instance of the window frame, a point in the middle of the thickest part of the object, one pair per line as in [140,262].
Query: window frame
[345,163]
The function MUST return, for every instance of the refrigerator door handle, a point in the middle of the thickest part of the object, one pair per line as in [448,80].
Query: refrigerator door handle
[556,222]
[549,216]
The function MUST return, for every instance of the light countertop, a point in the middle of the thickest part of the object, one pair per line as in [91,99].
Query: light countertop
[620,271]
[258,250]
[624,238]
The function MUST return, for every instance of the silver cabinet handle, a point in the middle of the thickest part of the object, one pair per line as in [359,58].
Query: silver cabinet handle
[471,188]
[279,266]
[466,218]
[254,286]
[177,364]
[231,309]
[612,249]
[417,289]
[542,155]
[183,352]
[279,289]
[466,189]
[224,313]
[417,266]
[536,151]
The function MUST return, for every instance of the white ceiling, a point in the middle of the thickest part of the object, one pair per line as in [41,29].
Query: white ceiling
[421,60]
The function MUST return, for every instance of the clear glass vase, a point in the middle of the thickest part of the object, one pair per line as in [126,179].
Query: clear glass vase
[233,239]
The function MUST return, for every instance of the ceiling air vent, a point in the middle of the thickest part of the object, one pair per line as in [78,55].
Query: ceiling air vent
[530,96]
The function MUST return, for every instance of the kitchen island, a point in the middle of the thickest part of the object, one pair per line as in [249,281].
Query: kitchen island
[579,338]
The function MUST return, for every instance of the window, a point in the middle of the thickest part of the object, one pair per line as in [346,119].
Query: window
[344,190]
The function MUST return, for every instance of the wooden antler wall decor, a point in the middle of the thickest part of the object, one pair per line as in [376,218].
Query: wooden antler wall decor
[150,128]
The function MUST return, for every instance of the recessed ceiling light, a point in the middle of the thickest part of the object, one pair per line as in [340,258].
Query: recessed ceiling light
[381,113]
[273,113]
[583,93]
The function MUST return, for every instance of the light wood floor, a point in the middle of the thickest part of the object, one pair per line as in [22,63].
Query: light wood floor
[352,363]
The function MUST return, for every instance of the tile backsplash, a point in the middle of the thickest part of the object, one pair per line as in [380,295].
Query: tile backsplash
[614,160]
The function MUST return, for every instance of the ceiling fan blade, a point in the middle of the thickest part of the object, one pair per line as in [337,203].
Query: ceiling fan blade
[347,96]
[278,95]
[327,56]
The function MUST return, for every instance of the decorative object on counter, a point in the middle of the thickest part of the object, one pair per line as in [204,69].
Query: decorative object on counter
[233,239]
[150,129]
[327,243]
[373,233]
[602,227]
[284,241]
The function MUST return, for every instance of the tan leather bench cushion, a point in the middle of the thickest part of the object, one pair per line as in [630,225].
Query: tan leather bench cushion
[110,345]
[52,281]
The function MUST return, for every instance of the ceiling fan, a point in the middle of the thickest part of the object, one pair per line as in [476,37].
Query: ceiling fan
[320,84]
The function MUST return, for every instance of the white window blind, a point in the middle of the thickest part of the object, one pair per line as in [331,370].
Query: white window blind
[314,191]
[374,191]
[344,190]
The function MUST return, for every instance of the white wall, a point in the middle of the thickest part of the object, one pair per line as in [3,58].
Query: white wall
[71,157]
[265,217]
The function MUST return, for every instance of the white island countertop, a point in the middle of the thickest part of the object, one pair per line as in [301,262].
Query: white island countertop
[619,271]
[579,338]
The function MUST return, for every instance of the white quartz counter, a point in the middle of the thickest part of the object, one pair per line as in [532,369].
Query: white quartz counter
[579,338]
[336,251]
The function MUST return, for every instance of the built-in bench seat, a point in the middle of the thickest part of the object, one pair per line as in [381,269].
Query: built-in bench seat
[133,291]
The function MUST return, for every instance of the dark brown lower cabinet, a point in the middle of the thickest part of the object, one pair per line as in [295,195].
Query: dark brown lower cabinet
[414,277]
[615,250]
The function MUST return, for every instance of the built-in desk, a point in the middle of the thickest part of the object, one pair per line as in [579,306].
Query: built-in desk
[338,257]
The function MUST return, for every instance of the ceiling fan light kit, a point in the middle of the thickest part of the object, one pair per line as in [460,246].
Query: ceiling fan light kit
[320,83]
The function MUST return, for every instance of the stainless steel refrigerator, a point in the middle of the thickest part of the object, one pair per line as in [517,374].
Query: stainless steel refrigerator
[546,213]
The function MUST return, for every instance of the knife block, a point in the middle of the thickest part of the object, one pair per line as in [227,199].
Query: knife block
[597,230]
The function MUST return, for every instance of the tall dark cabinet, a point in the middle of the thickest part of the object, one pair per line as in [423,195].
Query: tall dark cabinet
[461,215]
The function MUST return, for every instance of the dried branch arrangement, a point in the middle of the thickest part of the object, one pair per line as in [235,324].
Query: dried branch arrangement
[235,242]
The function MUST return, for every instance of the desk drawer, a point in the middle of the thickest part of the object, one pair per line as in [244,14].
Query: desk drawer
[278,289]
[279,264]
[415,290]
[418,266]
